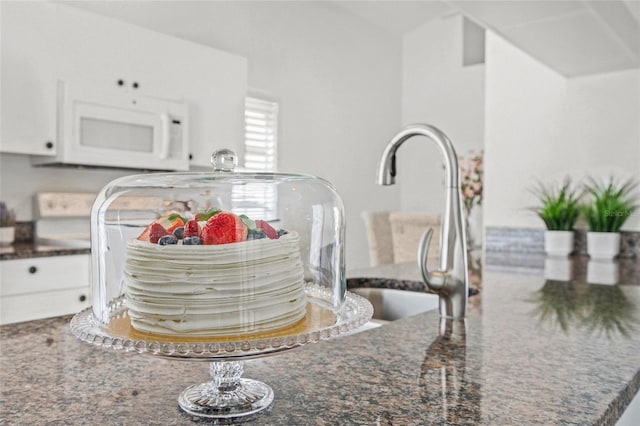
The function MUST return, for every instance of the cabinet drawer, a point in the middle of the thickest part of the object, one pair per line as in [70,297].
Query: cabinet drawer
[42,274]
[27,307]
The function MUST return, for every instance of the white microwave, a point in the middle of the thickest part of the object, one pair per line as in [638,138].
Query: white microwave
[118,128]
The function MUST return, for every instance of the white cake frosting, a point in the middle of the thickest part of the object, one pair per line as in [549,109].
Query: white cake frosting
[215,290]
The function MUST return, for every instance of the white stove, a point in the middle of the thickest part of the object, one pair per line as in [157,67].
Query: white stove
[63,218]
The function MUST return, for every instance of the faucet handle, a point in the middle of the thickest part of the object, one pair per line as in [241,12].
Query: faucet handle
[435,280]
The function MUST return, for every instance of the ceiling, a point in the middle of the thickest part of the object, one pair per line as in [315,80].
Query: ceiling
[573,37]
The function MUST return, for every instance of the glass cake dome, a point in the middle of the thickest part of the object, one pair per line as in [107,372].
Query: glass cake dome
[222,267]
[289,203]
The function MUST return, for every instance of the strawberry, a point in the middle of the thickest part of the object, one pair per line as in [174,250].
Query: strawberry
[178,222]
[191,229]
[223,228]
[267,229]
[144,235]
[155,226]
[156,232]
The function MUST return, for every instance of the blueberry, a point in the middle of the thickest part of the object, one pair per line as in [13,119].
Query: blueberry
[255,234]
[167,239]
[179,232]
[192,241]
[282,232]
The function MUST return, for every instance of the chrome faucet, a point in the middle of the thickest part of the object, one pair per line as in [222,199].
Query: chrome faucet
[450,281]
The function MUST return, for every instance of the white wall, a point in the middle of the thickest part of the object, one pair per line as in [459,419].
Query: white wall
[540,125]
[337,79]
[437,90]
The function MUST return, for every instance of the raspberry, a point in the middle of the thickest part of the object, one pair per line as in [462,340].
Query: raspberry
[191,229]
[156,232]
[267,229]
[224,228]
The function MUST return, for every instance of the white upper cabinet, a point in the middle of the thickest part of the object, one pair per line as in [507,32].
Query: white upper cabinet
[105,53]
[28,83]
[89,49]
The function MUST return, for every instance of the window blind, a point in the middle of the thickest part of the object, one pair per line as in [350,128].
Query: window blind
[260,134]
[259,200]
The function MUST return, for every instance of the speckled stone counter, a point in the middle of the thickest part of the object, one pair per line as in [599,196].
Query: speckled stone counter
[28,250]
[536,352]
[26,246]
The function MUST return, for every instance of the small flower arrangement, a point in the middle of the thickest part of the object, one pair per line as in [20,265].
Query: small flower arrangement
[612,204]
[559,208]
[7,216]
[471,184]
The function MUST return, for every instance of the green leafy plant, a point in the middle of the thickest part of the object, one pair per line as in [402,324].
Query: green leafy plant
[612,204]
[559,207]
[7,217]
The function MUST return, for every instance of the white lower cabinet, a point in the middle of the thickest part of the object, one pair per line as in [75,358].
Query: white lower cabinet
[43,287]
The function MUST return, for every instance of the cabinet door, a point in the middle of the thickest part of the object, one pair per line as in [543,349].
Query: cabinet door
[29,307]
[104,53]
[43,287]
[28,82]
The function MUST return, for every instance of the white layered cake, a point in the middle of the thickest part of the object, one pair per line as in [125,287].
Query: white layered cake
[215,290]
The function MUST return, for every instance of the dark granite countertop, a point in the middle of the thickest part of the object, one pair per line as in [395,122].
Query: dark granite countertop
[27,250]
[536,352]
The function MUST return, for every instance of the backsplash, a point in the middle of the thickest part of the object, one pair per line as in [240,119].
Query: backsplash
[531,241]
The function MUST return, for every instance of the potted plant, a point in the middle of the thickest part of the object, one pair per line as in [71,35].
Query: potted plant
[611,205]
[559,210]
[7,224]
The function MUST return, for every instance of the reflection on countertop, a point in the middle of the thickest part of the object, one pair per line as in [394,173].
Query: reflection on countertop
[598,308]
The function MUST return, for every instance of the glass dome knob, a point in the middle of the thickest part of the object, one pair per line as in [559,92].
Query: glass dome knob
[224,160]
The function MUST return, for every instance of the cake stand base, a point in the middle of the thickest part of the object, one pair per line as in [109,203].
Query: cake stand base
[226,395]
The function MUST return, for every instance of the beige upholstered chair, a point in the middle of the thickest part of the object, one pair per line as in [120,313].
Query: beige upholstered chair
[394,236]
[379,237]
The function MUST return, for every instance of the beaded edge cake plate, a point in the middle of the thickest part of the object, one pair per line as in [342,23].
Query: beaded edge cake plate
[320,323]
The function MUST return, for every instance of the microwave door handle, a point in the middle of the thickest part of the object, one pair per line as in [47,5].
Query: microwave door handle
[165,136]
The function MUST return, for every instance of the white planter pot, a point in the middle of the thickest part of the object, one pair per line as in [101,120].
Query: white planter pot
[558,243]
[7,235]
[603,245]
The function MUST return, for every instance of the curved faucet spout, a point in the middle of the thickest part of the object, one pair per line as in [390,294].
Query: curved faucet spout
[450,281]
[387,169]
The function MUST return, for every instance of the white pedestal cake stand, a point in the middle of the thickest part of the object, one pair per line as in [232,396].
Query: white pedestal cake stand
[227,395]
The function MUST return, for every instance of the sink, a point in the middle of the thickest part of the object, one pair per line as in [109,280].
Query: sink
[391,304]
